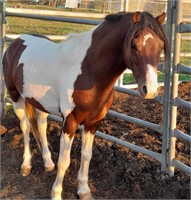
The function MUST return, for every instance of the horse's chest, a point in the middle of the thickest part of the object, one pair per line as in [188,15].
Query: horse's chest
[92,104]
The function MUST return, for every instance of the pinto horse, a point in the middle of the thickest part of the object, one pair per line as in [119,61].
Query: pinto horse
[75,79]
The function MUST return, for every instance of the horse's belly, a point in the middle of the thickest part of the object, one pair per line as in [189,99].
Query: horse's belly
[43,97]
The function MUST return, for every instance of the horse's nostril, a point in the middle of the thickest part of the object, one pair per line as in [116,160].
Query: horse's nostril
[144,89]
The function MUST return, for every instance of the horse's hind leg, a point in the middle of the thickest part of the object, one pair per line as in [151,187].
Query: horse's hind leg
[42,127]
[19,108]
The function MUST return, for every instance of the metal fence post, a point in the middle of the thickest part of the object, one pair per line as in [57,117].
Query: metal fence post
[175,78]
[166,97]
[2,41]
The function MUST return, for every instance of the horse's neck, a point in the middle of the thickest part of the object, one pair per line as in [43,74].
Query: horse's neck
[76,41]
[106,57]
[103,55]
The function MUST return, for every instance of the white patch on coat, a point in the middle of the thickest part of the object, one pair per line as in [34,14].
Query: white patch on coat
[50,69]
[152,82]
[146,37]
[39,91]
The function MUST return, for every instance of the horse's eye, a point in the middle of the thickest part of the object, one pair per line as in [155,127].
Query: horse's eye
[133,46]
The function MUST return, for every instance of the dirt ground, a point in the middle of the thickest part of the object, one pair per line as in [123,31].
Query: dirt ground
[115,172]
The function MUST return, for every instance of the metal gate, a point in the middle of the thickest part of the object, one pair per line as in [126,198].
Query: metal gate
[176,25]
[170,100]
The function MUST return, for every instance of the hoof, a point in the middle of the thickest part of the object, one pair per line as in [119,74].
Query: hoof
[48,165]
[49,168]
[86,196]
[56,196]
[25,171]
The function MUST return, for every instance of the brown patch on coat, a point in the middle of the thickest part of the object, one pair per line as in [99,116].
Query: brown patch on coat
[19,78]
[13,74]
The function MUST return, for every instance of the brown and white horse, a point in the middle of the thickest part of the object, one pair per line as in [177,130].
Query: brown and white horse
[75,79]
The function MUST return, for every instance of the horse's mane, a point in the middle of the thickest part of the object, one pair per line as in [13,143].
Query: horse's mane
[147,21]
[115,17]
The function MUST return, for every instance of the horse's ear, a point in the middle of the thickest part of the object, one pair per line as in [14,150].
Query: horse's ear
[160,19]
[136,17]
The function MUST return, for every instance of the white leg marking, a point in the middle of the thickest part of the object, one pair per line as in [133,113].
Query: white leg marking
[86,155]
[42,126]
[19,109]
[152,83]
[63,164]
[146,37]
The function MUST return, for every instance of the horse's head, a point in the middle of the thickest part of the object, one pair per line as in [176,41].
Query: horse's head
[142,49]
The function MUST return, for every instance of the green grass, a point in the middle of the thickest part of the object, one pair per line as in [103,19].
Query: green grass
[186,61]
[129,78]
[23,25]
[185,45]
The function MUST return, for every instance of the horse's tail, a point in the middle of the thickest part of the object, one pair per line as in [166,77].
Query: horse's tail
[32,116]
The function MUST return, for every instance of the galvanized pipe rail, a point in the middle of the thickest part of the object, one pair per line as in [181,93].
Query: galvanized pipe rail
[53,18]
[184,28]
[56,13]
[158,98]
[182,69]
[153,126]
[181,166]
[2,42]
[156,156]
[181,135]
[182,103]
[175,100]
[134,120]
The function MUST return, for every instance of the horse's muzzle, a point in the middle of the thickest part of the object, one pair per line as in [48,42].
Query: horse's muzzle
[149,92]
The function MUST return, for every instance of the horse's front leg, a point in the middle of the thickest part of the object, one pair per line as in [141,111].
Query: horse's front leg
[69,129]
[86,155]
